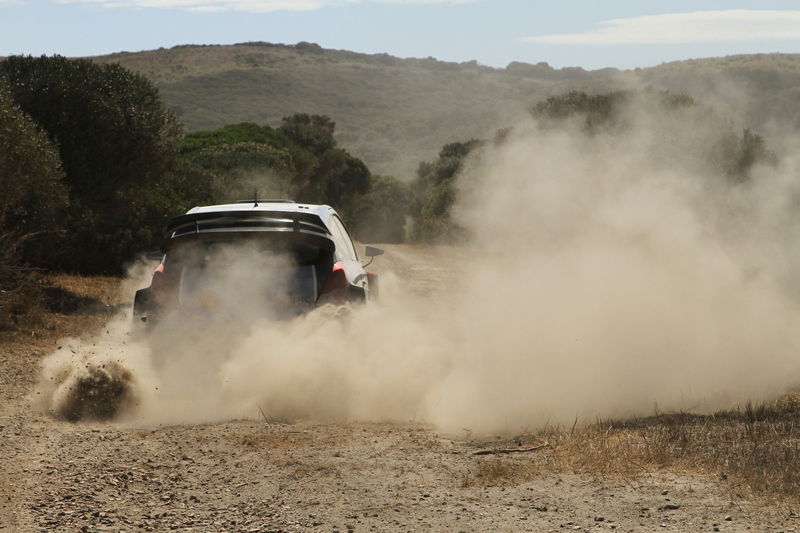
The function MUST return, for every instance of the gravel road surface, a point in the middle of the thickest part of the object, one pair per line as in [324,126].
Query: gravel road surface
[253,476]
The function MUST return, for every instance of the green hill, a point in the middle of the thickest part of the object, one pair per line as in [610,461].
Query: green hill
[760,91]
[394,113]
[391,112]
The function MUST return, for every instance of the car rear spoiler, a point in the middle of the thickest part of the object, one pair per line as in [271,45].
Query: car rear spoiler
[307,224]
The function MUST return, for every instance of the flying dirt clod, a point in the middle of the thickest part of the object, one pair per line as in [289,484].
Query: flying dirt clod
[101,394]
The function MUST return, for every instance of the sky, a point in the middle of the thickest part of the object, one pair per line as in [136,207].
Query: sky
[586,33]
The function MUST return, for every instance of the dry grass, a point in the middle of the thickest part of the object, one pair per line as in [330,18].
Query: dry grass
[501,471]
[50,306]
[19,286]
[20,305]
[102,289]
[755,446]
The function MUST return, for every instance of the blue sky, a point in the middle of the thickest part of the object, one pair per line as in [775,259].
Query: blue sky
[590,34]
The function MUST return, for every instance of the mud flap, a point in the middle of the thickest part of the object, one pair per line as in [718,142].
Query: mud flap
[372,284]
[141,307]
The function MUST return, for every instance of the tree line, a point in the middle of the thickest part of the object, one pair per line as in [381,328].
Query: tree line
[724,154]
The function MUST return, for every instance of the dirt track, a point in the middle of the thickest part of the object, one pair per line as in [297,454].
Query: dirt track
[250,476]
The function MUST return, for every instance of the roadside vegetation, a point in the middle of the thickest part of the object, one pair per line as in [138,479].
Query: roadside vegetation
[302,160]
[34,198]
[116,147]
[728,157]
[754,448]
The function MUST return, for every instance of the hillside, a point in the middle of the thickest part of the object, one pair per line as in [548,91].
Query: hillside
[395,112]
[760,91]
[391,112]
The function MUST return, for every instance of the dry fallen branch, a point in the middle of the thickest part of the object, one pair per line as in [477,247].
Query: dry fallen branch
[512,450]
[264,416]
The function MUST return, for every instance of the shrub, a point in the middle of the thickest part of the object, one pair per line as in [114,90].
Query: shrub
[115,139]
[34,198]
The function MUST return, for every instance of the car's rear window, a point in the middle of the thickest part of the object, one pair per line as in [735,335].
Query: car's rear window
[231,247]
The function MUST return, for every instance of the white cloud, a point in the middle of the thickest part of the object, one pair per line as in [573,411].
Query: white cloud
[697,27]
[254,6]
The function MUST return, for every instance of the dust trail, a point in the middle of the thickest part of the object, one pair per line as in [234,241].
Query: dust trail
[608,276]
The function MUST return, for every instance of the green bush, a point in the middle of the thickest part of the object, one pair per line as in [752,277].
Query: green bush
[381,213]
[731,155]
[31,211]
[299,160]
[725,155]
[34,196]
[434,193]
[115,141]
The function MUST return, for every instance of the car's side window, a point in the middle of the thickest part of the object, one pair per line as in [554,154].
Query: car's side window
[343,239]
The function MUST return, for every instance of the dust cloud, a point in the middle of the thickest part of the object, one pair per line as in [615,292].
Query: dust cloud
[96,378]
[608,275]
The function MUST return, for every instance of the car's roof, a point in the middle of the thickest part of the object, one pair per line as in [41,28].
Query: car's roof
[322,211]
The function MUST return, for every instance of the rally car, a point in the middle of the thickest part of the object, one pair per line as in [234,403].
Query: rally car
[273,258]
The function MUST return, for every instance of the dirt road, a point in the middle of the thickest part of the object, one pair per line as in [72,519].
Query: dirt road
[254,476]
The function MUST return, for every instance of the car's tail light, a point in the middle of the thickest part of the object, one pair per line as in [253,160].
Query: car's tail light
[163,288]
[336,281]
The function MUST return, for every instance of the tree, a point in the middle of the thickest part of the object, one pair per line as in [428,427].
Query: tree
[109,123]
[750,151]
[236,170]
[299,160]
[30,173]
[244,132]
[597,111]
[726,152]
[723,154]
[381,213]
[313,132]
[115,139]
[33,199]
[434,193]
